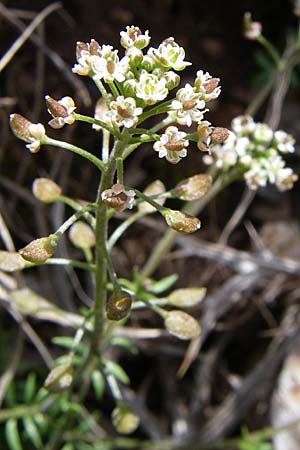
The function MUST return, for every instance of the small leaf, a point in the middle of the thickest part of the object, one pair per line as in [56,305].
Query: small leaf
[30,387]
[115,369]
[12,435]
[67,342]
[157,287]
[32,432]
[10,397]
[98,383]
[123,342]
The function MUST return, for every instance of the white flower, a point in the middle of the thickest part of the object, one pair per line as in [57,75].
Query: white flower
[207,86]
[285,142]
[150,88]
[172,145]
[256,176]
[263,134]
[243,124]
[285,179]
[133,37]
[61,111]
[169,55]
[37,132]
[187,106]
[204,131]
[124,112]
[100,62]
[242,145]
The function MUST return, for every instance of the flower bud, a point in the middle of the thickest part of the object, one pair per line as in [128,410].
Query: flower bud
[135,55]
[219,135]
[118,306]
[147,63]
[187,297]
[172,79]
[194,187]
[117,197]
[60,378]
[11,261]
[154,188]
[124,420]
[129,88]
[184,223]
[45,190]
[182,325]
[27,131]
[81,235]
[252,30]
[39,250]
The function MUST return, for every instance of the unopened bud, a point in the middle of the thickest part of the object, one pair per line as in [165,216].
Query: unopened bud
[184,223]
[55,108]
[194,187]
[219,135]
[46,190]
[129,88]
[252,30]
[117,197]
[60,378]
[81,235]
[172,79]
[182,325]
[134,54]
[39,250]
[124,420]
[11,261]
[118,306]
[32,133]
[187,297]
[154,188]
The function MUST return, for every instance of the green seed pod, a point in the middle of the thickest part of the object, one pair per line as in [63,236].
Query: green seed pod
[118,306]
[194,187]
[182,325]
[81,235]
[45,190]
[124,420]
[39,250]
[60,378]
[11,261]
[184,223]
[188,297]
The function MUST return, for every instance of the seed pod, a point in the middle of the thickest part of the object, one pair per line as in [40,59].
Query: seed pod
[188,297]
[60,378]
[182,325]
[11,261]
[118,306]
[46,190]
[39,250]
[20,127]
[81,235]
[154,188]
[124,420]
[219,135]
[117,197]
[193,188]
[184,223]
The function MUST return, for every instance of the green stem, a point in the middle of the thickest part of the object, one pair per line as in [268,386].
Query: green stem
[159,109]
[68,262]
[77,206]
[270,49]
[101,123]
[103,91]
[105,146]
[101,238]
[120,170]
[149,200]
[66,225]
[74,149]
[166,242]
[122,228]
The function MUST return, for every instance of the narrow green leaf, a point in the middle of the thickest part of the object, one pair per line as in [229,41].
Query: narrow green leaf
[67,342]
[123,342]
[116,370]
[32,432]
[98,383]
[10,397]
[165,283]
[12,435]
[30,387]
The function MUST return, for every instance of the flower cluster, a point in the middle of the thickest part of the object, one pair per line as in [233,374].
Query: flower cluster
[141,79]
[256,150]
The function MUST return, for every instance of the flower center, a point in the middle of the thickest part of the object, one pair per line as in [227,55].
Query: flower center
[175,146]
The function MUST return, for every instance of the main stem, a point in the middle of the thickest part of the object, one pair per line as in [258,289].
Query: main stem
[106,181]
